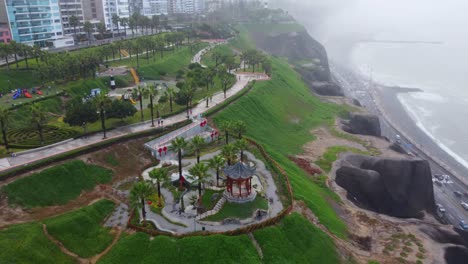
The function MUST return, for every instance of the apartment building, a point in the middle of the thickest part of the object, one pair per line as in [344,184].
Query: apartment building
[155,7]
[93,10]
[186,6]
[117,7]
[32,22]
[5,35]
[69,8]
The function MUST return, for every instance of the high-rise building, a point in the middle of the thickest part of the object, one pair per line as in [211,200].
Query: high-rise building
[186,6]
[33,22]
[155,7]
[93,10]
[5,35]
[69,8]
[114,7]
[135,6]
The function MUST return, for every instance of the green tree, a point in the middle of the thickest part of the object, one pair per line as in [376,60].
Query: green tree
[74,22]
[178,145]
[138,93]
[170,93]
[200,171]
[102,103]
[38,119]
[5,118]
[160,175]
[101,28]
[229,153]
[115,21]
[88,28]
[124,23]
[196,144]
[138,194]
[121,109]
[5,52]
[239,127]
[151,92]
[226,127]
[241,145]
[15,50]
[216,163]
[78,113]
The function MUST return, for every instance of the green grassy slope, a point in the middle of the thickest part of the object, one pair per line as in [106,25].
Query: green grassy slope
[56,185]
[138,248]
[296,240]
[27,243]
[280,115]
[80,231]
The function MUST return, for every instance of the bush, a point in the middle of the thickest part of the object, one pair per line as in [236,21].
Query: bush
[29,137]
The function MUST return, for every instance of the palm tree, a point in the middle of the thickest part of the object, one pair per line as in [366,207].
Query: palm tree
[200,170]
[101,28]
[141,191]
[229,153]
[226,126]
[124,23]
[170,92]
[102,102]
[151,92]
[115,21]
[196,145]
[217,162]
[88,28]
[138,93]
[74,22]
[241,145]
[240,128]
[5,52]
[5,116]
[38,119]
[178,145]
[15,50]
[160,175]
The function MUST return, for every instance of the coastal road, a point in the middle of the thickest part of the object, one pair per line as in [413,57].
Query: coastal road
[367,93]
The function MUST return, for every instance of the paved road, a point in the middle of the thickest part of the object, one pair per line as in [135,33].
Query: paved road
[367,95]
[23,159]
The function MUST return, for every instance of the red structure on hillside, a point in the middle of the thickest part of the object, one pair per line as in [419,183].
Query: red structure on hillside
[239,181]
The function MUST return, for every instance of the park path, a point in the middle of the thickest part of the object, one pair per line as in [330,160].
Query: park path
[27,157]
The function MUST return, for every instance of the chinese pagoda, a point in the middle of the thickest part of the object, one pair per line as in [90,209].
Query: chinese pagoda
[239,183]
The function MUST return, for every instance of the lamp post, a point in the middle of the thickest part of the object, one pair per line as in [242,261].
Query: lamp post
[102,113]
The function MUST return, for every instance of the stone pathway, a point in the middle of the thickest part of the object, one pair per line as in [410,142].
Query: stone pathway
[31,156]
[187,221]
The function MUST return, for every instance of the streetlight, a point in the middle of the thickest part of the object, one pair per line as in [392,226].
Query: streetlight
[102,113]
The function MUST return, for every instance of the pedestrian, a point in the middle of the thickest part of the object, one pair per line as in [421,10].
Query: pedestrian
[162,122]
[159,122]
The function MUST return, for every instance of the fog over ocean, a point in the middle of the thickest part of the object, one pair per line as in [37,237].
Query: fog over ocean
[440,69]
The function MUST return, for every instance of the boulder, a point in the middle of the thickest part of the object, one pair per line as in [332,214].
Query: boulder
[396,187]
[362,124]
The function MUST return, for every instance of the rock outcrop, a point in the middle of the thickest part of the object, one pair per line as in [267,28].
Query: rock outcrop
[396,187]
[362,124]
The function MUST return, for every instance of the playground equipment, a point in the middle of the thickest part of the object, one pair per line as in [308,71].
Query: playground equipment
[132,101]
[135,76]
[112,82]
[36,90]
[17,94]
[124,53]
[21,92]
[27,94]
[128,97]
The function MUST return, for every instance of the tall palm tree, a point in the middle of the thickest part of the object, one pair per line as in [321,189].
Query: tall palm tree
[139,193]
[74,22]
[229,153]
[151,92]
[5,52]
[5,116]
[138,93]
[226,127]
[88,28]
[38,119]
[217,162]
[124,23]
[200,170]
[196,145]
[160,175]
[15,50]
[170,92]
[101,28]
[115,21]
[242,145]
[178,145]
[102,102]
[239,127]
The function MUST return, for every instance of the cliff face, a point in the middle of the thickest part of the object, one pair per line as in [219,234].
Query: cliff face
[396,187]
[300,46]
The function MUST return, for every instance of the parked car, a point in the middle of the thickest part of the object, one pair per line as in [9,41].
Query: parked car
[463,225]
[457,193]
[442,210]
[438,182]
[464,205]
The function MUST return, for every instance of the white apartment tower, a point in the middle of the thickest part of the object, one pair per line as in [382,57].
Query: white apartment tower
[69,8]
[155,7]
[117,7]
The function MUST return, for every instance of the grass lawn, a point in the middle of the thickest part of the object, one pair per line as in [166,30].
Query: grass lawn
[207,202]
[80,231]
[241,211]
[138,248]
[224,50]
[27,243]
[280,114]
[326,161]
[56,185]
[296,240]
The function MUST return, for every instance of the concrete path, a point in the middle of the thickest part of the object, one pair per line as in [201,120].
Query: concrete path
[186,221]
[47,152]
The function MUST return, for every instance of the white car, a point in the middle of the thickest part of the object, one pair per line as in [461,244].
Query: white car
[464,205]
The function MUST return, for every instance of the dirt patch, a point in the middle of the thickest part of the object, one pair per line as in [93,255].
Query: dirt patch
[306,166]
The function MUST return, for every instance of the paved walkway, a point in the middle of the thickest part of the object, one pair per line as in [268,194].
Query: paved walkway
[49,151]
[187,222]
